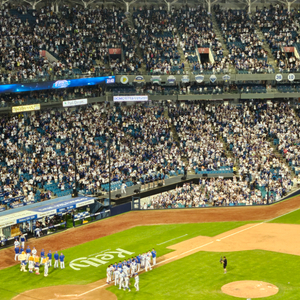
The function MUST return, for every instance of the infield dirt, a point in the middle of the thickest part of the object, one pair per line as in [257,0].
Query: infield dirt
[282,238]
[75,236]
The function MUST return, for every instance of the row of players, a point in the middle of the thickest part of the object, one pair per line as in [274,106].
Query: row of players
[122,271]
[34,262]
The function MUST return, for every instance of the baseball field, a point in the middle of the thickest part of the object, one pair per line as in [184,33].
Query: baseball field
[262,245]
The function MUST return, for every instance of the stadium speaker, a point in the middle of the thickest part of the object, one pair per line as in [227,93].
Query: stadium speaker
[160,184]
[204,175]
[118,196]
[183,178]
[136,191]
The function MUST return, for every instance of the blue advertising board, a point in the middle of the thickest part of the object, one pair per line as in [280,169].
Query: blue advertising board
[27,218]
[63,205]
[57,84]
[8,200]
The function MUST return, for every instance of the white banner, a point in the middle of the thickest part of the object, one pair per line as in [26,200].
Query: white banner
[48,213]
[75,102]
[85,203]
[130,98]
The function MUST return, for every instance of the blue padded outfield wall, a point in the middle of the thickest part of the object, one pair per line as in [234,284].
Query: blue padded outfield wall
[120,209]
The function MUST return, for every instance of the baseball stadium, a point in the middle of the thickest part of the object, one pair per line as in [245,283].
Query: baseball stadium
[149,149]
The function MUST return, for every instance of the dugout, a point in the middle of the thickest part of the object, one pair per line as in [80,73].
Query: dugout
[31,219]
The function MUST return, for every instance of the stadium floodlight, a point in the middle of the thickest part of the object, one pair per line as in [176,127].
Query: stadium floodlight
[249,4]
[169,3]
[288,3]
[33,3]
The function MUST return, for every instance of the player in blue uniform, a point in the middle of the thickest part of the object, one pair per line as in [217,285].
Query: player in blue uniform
[128,263]
[23,240]
[17,252]
[153,252]
[62,261]
[56,257]
[120,265]
[42,255]
[115,266]
[138,260]
[28,251]
[49,258]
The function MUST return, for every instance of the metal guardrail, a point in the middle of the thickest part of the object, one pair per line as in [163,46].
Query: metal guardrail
[37,231]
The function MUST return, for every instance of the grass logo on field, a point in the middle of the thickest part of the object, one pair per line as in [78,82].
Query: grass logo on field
[98,259]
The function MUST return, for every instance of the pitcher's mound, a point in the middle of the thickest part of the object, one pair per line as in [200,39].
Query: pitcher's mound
[250,289]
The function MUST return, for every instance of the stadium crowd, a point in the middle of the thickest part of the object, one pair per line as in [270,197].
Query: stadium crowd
[79,41]
[158,40]
[37,151]
[214,191]
[247,137]
[245,47]
[280,30]
[198,139]
[282,123]
[196,31]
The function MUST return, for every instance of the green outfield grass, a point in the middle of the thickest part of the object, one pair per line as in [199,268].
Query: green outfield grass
[290,218]
[137,240]
[200,276]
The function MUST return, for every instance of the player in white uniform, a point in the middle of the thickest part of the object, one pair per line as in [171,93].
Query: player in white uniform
[122,275]
[147,263]
[45,262]
[137,282]
[133,268]
[126,270]
[126,283]
[143,260]
[34,252]
[16,243]
[123,188]
[108,274]
[30,263]
[117,276]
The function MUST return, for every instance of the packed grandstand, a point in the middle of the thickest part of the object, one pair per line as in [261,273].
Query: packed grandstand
[258,140]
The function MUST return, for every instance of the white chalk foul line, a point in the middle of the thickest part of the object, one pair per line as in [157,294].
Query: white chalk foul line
[172,240]
[225,237]
[282,215]
[229,235]
[99,287]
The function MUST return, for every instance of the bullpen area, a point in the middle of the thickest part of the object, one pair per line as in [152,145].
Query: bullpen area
[261,245]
